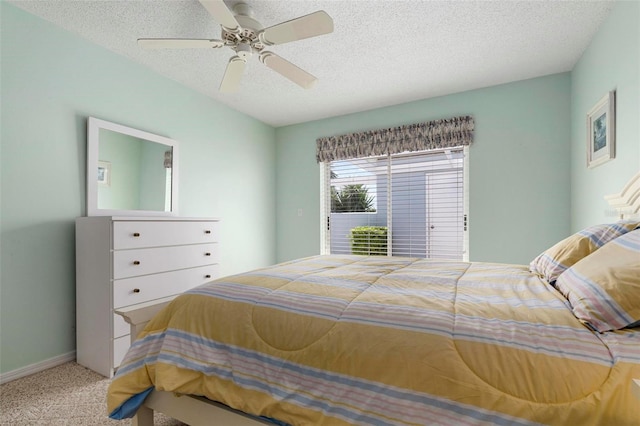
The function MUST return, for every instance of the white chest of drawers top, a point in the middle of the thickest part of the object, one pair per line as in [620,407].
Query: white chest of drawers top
[125,261]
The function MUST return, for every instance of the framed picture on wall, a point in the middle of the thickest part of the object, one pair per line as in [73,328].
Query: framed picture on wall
[104,173]
[601,131]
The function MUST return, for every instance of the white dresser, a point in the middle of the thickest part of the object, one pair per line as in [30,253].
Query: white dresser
[126,261]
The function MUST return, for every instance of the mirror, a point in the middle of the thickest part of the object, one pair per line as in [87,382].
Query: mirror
[130,172]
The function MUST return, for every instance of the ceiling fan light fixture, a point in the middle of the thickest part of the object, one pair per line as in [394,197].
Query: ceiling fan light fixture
[244,50]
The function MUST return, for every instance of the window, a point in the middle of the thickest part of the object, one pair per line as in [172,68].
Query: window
[410,204]
[354,201]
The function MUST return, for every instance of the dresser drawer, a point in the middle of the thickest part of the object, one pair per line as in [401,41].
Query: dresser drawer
[138,234]
[132,263]
[131,291]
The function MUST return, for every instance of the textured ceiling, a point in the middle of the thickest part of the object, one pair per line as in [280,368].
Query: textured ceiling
[382,52]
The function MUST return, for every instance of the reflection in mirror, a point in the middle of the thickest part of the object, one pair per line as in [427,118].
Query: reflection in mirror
[129,171]
[138,175]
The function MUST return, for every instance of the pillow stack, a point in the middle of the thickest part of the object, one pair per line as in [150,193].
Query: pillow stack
[598,271]
[557,259]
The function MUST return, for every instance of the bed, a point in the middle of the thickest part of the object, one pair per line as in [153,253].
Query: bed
[333,340]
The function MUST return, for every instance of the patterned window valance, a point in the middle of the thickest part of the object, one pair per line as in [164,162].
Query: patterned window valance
[436,134]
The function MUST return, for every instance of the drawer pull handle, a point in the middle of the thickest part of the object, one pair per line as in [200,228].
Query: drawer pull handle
[207,276]
[207,231]
[207,254]
[136,290]
[136,234]
[136,262]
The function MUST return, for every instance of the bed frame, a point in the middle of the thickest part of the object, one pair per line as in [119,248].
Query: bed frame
[198,411]
[192,410]
[627,202]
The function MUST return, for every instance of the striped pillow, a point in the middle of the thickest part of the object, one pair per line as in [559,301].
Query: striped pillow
[604,287]
[555,260]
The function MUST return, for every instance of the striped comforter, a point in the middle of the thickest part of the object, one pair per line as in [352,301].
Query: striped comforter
[332,340]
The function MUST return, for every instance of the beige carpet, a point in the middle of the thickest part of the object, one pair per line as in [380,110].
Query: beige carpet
[65,395]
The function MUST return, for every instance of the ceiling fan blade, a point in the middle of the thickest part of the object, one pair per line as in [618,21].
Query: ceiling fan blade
[178,43]
[288,70]
[232,75]
[311,25]
[221,14]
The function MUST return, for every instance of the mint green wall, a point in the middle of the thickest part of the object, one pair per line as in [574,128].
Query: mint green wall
[51,82]
[612,62]
[519,167]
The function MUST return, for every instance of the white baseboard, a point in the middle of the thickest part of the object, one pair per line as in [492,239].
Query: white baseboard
[37,367]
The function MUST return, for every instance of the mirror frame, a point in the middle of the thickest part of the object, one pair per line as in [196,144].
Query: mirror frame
[93,141]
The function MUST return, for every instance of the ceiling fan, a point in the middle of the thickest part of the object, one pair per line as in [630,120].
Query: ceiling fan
[246,36]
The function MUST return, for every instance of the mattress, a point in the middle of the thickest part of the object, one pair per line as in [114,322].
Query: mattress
[336,340]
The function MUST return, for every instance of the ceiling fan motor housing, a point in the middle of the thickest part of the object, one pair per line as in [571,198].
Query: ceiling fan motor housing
[244,40]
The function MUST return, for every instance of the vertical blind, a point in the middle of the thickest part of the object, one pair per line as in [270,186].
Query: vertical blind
[409,204]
